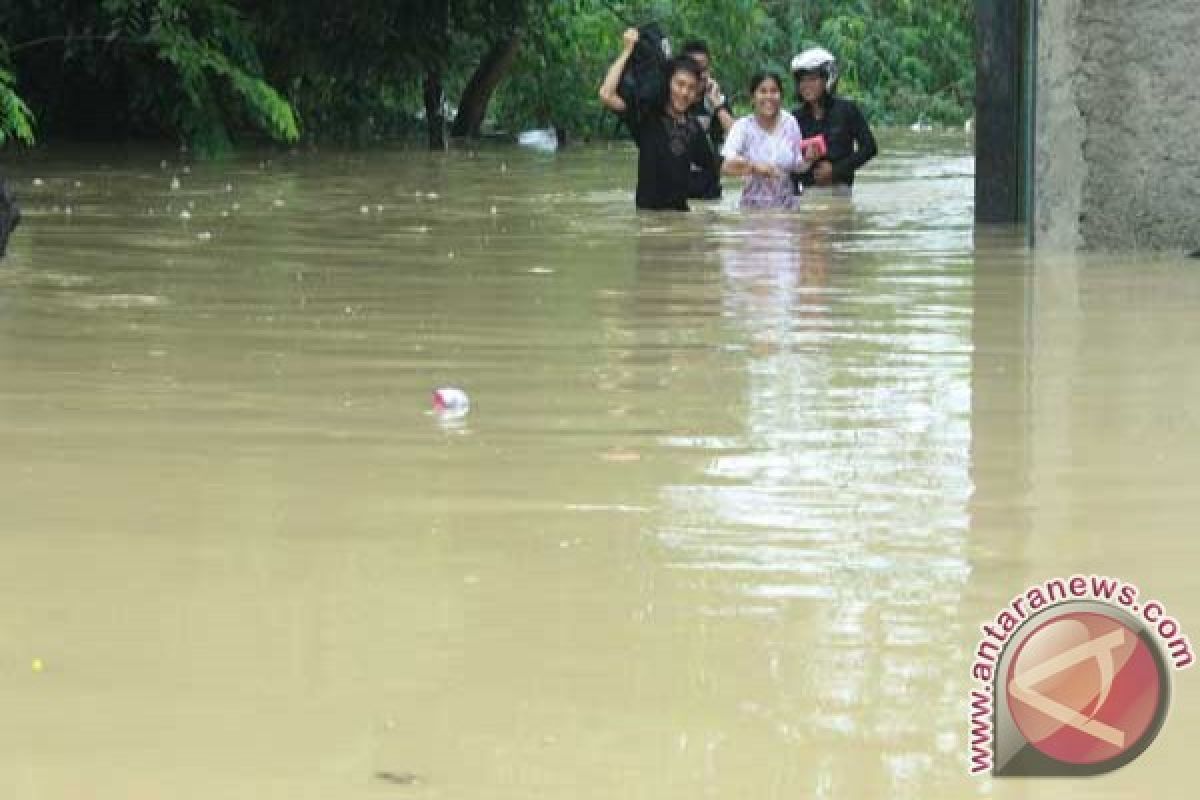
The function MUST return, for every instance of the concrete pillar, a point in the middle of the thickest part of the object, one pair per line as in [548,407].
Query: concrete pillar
[998,90]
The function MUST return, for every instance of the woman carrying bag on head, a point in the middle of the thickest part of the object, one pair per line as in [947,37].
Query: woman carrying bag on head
[669,139]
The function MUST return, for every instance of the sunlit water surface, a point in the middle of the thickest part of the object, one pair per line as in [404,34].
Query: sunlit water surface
[733,498]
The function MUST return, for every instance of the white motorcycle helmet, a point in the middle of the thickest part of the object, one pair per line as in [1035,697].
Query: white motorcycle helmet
[817,59]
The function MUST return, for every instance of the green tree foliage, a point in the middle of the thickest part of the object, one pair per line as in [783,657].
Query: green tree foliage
[15,118]
[208,71]
[903,59]
[120,68]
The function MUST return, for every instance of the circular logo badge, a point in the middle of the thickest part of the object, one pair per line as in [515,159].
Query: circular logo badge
[1084,688]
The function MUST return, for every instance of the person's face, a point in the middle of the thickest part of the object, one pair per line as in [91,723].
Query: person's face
[810,86]
[703,64]
[684,90]
[767,98]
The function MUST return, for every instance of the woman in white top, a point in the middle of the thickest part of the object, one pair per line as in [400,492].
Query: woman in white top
[765,147]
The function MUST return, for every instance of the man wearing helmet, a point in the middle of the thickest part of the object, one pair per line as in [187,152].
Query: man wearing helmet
[848,140]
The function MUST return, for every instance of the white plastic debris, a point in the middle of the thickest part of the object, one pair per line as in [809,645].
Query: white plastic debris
[450,401]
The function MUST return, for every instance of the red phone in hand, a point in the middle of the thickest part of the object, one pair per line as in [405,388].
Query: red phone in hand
[818,141]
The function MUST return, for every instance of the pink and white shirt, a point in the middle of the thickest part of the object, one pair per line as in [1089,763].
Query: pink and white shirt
[779,147]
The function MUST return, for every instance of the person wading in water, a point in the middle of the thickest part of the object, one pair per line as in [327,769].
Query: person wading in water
[764,147]
[849,142]
[713,113]
[669,139]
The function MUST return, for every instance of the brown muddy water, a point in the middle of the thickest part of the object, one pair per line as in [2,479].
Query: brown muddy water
[734,496]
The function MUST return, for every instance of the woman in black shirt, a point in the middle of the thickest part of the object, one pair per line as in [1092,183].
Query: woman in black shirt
[669,139]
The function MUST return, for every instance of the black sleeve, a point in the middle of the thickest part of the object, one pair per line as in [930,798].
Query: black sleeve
[635,118]
[864,141]
[716,132]
[703,153]
[801,179]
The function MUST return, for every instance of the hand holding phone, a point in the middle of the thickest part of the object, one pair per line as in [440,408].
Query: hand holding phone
[813,148]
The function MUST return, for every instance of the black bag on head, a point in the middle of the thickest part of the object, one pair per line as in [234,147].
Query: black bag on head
[643,83]
[10,215]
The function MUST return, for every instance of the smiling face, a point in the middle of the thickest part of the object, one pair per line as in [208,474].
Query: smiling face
[810,86]
[684,90]
[767,98]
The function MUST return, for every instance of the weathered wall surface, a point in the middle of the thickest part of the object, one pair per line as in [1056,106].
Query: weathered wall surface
[1118,125]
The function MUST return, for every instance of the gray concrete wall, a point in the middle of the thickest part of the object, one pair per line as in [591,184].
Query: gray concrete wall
[1117,150]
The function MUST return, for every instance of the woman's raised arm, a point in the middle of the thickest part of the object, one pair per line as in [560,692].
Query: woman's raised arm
[608,90]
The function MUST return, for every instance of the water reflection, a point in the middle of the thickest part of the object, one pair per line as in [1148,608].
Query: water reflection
[835,508]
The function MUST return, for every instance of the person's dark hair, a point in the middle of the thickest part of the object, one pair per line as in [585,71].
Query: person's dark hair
[683,64]
[695,47]
[761,77]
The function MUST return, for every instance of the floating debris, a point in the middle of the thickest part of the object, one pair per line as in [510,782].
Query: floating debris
[450,401]
[364,209]
[38,182]
[185,214]
[175,183]
[545,139]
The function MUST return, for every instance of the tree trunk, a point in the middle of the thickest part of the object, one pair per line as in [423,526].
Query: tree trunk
[434,20]
[435,119]
[475,98]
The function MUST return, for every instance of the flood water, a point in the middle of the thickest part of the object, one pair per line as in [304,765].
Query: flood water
[733,498]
